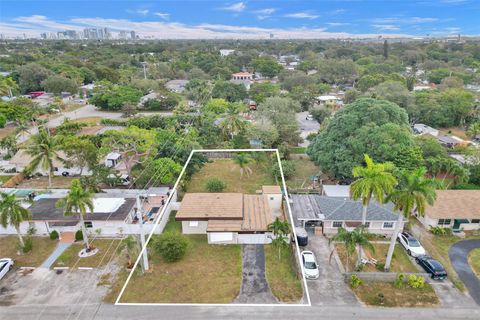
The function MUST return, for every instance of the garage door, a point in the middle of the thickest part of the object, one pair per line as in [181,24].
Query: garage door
[221,236]
[253,238]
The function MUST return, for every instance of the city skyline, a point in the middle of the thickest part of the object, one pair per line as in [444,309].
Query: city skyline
[243,19]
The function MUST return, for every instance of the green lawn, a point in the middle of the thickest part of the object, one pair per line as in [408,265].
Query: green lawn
[4,179]
[207,274]
[229,172]
[42,248]
[107,252]
[393,297]
[474,260]
[304,169]
[281,275]
[400,260]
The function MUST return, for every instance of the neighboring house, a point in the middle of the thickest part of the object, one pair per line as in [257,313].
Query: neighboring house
[421,128]
[336,191]
[456,209]
[422,86]
[226,52]
[231,217]
[112,216]
[450,142]
[177,86]
[334,212]
[464,159]
[242,76]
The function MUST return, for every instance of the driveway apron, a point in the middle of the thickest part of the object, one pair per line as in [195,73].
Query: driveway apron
[254,288]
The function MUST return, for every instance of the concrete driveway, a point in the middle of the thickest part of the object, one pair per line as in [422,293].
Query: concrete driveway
[330,288]
[458,255]
[255,287]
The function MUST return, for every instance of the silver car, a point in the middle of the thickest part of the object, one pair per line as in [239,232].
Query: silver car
[6,264]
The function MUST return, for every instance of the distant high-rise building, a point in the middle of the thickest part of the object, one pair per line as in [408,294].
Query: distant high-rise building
[2,36]
[122,35]
[44,36]
[106,33]
[90,33]
[132,35]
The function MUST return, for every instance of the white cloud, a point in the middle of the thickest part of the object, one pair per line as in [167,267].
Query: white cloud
[403,20]
[386,27]
[140,11]
[301,15]
[235,7]
[164,16]
[337,24]
[266,11]
[338,11]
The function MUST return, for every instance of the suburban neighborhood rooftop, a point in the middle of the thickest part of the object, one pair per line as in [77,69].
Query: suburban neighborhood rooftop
[455,204]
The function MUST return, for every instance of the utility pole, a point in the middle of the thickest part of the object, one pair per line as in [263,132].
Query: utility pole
[144,64]
[142,235]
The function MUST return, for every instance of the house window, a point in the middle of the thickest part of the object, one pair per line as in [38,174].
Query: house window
[193,224]
[475,221]
[388,225]
[367,224]
[88,224]
[444,222]
[337,224]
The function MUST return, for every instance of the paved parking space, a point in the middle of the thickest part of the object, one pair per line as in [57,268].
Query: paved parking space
[306,127]
[329,289]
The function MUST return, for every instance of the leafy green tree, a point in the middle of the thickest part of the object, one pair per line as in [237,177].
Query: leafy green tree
[78,202]
[43,149]
[393,91]
[10,144]
[338,71]
[229,91]
[233,123]
[259,91]
[412,194]
[216,106]
[373,179]
[80,153]
[113,97]
[288,169]
[280,230]
[30,77]
[198,91]
[7,86]
[58,84]
[474,130]
[129,244]
[267,66]
[215,185]
[242,160]
[13,213]
[281,113]
[163,171]
[171,246]
[265,133]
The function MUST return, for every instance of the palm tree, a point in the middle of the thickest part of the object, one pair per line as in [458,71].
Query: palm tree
[7,85]
[12,213]
[372,180]
[242,160]
[78,202]
[129,244]
[473,130]
[44,151]
[233,122]
[356,239]
[280,229]
[412,194]
[280,242]
[10,144]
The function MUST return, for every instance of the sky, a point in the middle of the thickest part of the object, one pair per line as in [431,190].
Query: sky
[285,19]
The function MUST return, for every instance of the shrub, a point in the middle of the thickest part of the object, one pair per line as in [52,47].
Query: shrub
[380,299]
[398,283]
[417,282]
[3,120]
[288,169]
[440,231]
[215,185]
[171,246]
[54,235]
[28,244]
[31,231]
[355,281]
[360,267]
[380,266]
[78,235]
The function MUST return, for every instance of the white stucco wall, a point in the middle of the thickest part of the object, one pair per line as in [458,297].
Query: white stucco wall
[201,228]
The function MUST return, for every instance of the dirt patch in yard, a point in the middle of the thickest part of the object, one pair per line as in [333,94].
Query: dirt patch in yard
[42,183]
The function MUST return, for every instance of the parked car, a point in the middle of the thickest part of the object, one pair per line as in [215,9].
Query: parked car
[310,265]
[302,236]
[433,267]
[6,264]
[309,117]
[412,245]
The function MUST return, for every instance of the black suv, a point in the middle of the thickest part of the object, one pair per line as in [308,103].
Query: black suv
[433,267]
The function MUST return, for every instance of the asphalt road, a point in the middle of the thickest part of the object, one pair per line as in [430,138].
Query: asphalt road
[458,254]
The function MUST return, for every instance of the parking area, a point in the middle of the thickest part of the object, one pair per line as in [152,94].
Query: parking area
[306,127]
[60,287]
[329,289]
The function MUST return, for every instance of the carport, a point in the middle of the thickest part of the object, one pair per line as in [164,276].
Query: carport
[305,208]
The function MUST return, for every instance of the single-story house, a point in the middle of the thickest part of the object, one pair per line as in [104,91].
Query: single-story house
[335,212]
[176,85]
[231,217]
[242,76]
[456,209]
[449,141]
[420,128]
[226,52]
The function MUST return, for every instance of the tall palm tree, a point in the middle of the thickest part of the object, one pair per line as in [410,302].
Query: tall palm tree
[372,180]
[78,202]
[12,213]
[7,85]
[233,122]
[10,144]
[44,151]
[243,160]
[412,194]
[129,244]
[356,239]
[279,227]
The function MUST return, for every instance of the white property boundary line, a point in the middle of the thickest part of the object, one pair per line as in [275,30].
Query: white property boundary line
[157,221]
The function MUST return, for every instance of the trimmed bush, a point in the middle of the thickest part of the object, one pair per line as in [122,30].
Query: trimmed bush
[440,231]
[416,282]
[355,281]
[172,246]
[54,235]
[398,283]
[79,235]
[215,185]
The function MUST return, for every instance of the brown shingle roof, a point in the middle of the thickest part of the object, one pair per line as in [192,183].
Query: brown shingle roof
[211,206]
[256,213]
[450,204]
[224,225]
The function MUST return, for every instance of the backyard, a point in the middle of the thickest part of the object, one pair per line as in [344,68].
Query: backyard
[281,275]
[400,261]
[229,172]
[107,251]
[207,274]
[42,248]
[42,182]
[371,293]
[304,170]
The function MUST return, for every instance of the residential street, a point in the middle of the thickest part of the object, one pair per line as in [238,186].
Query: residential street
[459,256]
[306,127]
